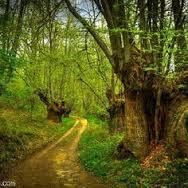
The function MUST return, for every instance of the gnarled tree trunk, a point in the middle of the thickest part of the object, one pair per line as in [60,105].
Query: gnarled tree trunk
[136,129]
[177,134]
[55,111]
[148,117]
[140,130]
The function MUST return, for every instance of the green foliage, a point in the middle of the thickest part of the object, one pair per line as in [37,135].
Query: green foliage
[96,121]
[8,64]
[20,135]
[17,94]
[97,150]
[151,67]
[91,156]
[176,173]
[54,60]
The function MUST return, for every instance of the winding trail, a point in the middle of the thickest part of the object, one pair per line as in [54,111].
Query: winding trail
[56,165]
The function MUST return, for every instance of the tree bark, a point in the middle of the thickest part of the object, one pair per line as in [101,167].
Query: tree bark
[116,111]
[117,116]
[177,134]
[53,113]
[136,130]
[18,31]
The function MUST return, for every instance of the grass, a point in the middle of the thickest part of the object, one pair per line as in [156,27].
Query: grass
[97,150]
[21,135]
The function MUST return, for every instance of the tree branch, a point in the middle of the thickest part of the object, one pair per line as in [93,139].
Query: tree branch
[43,96]
[100,99]
[91,30]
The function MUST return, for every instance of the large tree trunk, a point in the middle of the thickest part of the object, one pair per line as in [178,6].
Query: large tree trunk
[140,130]
[136,129]
[177,134]
[54,113]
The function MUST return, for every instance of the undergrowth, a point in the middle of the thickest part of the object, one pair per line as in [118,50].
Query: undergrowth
[20,134]
[97,154]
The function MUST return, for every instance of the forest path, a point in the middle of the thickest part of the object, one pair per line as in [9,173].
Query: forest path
[56,165]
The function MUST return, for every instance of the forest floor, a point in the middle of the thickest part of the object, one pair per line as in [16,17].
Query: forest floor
[54,155]
[98,155]
[56,165]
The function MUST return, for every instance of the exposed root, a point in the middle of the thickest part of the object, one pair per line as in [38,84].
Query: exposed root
[123,152]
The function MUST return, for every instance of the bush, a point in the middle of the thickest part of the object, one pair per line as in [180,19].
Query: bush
[97,149]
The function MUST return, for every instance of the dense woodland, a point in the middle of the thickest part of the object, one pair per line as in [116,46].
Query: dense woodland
[122,61]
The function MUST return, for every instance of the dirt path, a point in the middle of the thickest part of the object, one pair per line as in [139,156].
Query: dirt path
[57,165]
